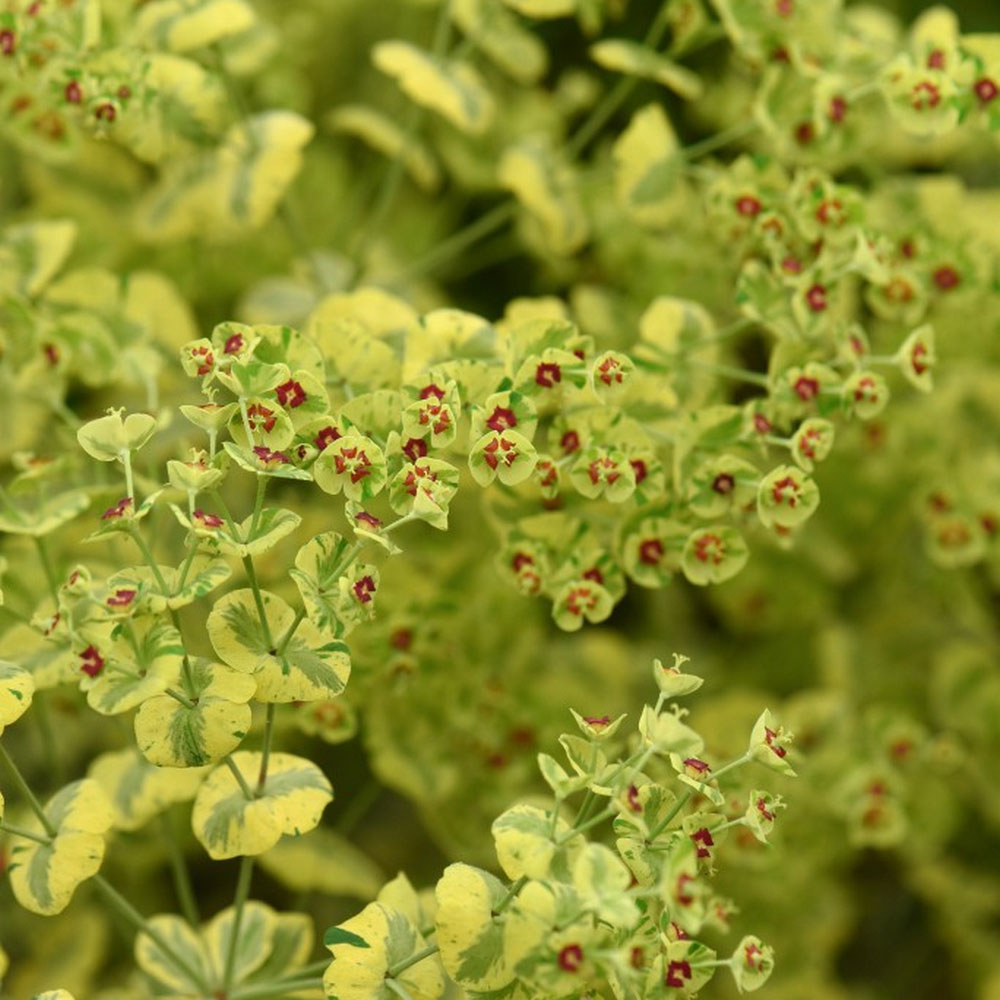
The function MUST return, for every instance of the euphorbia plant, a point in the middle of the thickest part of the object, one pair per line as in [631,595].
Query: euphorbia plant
[227,566]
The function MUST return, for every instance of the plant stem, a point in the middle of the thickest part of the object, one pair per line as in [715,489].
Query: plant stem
[258,600]
[613,100]
[126,457]
[242,892]
[730,371]
[182,880]
[132,916]
[24,788]
[419,956]
[393,176]
[258,991]
[53,764]
[265,756]
[240,780]
[258,504]
[512,892]
[358,807]
[713,142]
[50,576]
[16,831]
[287,637]
[136,535]
[399,989]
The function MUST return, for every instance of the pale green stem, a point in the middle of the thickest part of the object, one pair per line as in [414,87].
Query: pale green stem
[259,991]
[136,535]
[258,600]
[126,459]
[313,969]
[287,637]
[358,807]
[179,696]
[284,212]
[246,421]
[179,870]
[419,956]
[512,892]
[393,177]
[50,575]
[399,989]
[242,892]
[50,748]
[130,914]
[618,94]
[730,371]
[186,568]
[16,831]
[732,134]
[240,780]
[25,790]
[686,797]
[258,504]
[265,755]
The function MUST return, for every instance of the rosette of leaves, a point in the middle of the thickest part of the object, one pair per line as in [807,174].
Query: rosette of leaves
[306,665]
[256,947]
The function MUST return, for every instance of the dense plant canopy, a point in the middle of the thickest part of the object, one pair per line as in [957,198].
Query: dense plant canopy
[405,407]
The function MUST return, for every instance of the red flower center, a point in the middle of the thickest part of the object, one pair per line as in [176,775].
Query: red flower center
[73,93]
[364,589]
[816,297]
[207,520]
[703,842]
[925,95]
[119,510]
[570,442]
[571,958]
[806,388]
[946,278]
[986,90]
[234,344]
[748,205]
[651,552]
[121,598]
[677,973]
[547,374]
[501,419]
[290,393]
[723,483]
[709,548]
[837,109]
[786,491]
[91,661]
[326,436]
[935,60]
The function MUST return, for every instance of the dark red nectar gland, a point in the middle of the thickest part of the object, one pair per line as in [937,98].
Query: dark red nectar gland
[570,958]
[547,374]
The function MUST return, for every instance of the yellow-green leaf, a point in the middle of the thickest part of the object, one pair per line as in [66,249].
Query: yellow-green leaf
[545,187]
[635,59]
[648,179]
[494,30]
[44,877]
[172,734]
[165,969]
[383,135]
[311,667]
[138,791]
[253,942]
[228,824]
[453,89]
[16,690]
[323,861]
[360,973]
[180,25]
